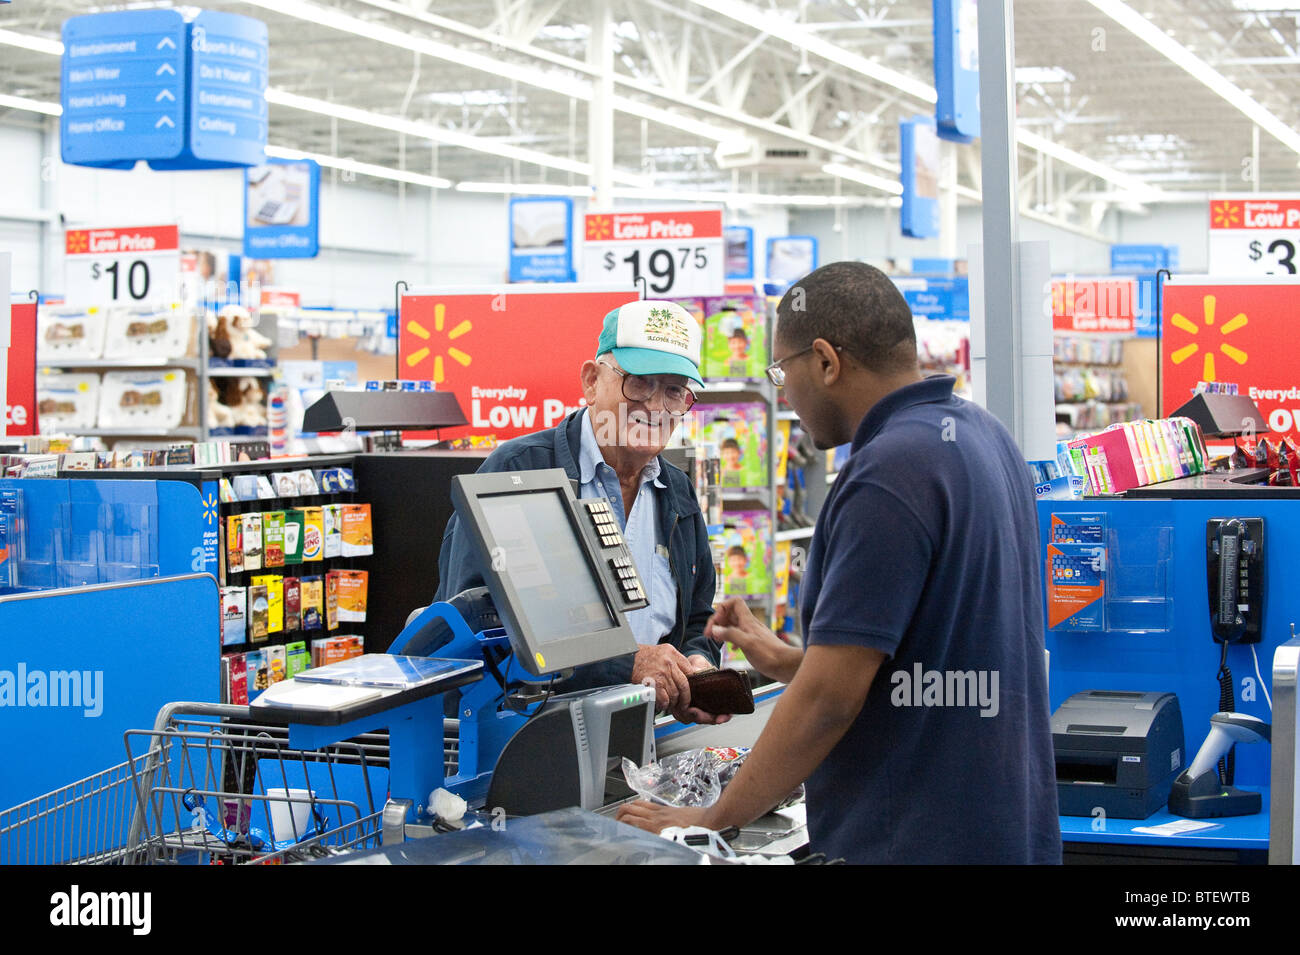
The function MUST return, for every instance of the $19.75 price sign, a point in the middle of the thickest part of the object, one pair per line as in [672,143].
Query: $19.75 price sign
[1254,236]
[137,265]
[678,253]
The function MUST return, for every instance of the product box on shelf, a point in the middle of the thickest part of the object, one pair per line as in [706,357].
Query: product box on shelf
[140,332]
[746,544]
[70,333]
[739,432]
[142,399]
[735,337]
[67,402]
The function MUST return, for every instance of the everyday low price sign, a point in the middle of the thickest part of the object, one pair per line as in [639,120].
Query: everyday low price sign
[122,265]
[511,357]
[1259,235]
[678,253]
[1106,305]
[1235,330]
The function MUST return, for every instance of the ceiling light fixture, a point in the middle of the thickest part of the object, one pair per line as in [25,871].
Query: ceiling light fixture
[361,168]
[525,189]
[863,178]
[30,105]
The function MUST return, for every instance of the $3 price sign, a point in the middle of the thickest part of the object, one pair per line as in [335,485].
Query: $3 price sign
[1255,235]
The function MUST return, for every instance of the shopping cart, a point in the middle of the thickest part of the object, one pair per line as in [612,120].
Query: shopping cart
[214,784]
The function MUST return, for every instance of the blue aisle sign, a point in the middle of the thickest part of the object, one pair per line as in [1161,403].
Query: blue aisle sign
[1144,261]
[541,239]
[738,243]
[957,70]
[282,209]
[919,151]
[149,85]
[123,87]
[1138,258]
[937,299]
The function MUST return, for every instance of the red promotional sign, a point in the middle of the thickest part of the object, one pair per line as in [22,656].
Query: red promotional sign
[156,238]
[1238,331]
[1258,213]
[510,357]
[20,403]
[281,297]
[1094,305]
[651,226]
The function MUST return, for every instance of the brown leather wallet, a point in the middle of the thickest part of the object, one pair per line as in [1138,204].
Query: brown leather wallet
[721,692]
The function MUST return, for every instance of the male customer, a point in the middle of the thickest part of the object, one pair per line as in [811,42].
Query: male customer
[636,389]
[918,712]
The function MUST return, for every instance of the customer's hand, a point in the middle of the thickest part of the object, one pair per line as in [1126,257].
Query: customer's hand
[683,712]
[655,818]
[732,622]
[664,668]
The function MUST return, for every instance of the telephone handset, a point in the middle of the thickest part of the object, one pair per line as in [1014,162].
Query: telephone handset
[1234,563]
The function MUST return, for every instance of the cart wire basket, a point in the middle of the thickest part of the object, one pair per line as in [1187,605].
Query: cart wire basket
[212,784]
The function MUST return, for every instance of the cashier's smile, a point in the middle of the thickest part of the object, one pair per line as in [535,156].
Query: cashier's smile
[946,688]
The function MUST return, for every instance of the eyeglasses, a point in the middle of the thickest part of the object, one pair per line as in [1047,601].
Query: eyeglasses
[776,373]
[678,399]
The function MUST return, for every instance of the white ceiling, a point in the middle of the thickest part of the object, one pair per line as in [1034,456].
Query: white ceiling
[513,74]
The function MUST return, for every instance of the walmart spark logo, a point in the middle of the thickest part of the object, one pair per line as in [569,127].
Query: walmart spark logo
[1225,215]
[1227,328]
[599,227]
[78,241]
[455,354]
[210,509]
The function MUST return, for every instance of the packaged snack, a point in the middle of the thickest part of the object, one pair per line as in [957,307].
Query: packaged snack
[252,540]
[273,538]
[352,587]
[358,540]
[234,626]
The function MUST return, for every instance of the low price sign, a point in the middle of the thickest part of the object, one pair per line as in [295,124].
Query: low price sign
[122,265]
[1106,305]
[1254,236]
[512,358]
[1234,330]
[678,253]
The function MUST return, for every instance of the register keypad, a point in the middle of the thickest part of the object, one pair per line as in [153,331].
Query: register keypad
[614,549]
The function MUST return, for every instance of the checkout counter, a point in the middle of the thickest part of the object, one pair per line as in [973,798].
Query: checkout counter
[547,762]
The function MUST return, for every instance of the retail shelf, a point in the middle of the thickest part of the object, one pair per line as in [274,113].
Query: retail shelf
[746,494]
[223,371]
[794,534]
[736,386]
[183,432]
[787,416]
[191,363]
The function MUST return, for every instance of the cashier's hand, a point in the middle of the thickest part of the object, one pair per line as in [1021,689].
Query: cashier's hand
[655,818]
[733,622]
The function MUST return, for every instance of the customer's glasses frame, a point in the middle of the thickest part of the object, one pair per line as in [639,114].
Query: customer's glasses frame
[678,399]
[775,371]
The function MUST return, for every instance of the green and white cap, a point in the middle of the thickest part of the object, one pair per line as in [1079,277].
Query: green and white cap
[653,338]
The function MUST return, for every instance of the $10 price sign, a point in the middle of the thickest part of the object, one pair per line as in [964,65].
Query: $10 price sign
[1254,236]
[135,265]
[678,253]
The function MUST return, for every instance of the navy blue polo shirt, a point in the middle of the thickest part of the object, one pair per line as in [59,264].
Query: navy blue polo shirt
[927,550]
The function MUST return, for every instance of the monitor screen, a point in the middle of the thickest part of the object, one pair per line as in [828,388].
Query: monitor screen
[540,551]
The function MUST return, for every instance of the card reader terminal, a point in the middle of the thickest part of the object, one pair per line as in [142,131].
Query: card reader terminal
[614,551]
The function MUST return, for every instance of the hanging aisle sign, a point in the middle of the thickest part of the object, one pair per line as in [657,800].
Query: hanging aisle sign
[919,154]
[679,253]
[148,84]
[282,209]
[541,239]
[122,265]
[1254,235]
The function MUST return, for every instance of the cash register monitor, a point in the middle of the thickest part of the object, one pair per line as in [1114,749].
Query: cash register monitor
[551,574]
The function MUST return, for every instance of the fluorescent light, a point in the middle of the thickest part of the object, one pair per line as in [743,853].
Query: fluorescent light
[791,32]
[31,105]
[684,123]
[1178,54]
[863,178]
[1143,191]
[525,189]
[361,168]
[37,44]
[734,198]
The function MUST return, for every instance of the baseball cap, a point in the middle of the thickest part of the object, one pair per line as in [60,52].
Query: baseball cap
[653,338]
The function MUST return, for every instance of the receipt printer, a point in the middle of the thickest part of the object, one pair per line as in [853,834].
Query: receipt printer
[1118,751]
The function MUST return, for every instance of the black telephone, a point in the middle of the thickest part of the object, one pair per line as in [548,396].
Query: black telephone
[1234,564]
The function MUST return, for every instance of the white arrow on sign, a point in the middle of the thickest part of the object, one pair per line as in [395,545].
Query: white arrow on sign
[166,42]
[164,94]
[163,121]
[165,68]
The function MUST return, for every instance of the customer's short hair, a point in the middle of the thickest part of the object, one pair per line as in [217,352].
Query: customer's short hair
[855,306]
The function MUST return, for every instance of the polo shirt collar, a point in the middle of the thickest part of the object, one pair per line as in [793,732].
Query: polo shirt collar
[590,458]
[925,391]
